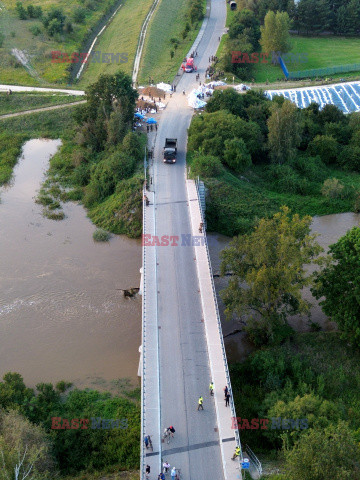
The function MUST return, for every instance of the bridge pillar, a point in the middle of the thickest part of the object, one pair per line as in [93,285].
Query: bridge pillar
[140,362]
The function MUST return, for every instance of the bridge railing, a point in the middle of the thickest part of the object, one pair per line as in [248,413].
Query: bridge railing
[143,343]
[233,413]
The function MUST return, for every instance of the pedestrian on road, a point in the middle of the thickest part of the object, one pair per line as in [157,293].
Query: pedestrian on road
[227,399]
[156,126]
[146,439]
[211,388]
[147,471]
[173,473]
[166,466]
[200,403]
[226,390]
[183,92]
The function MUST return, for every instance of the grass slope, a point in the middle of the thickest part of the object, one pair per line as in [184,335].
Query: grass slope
[121,36]
[38,48]
[167,22]
[19,102]
[234,204]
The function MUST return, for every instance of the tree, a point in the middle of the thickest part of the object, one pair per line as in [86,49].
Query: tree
[332,188]
[25,449]
[13,391]
[20,10]
[320,454]
[245,21]
[325,146]
[339,283]
[275,35]
[79,15]
[236,155]
[284,132]
[110,94]
[268,270]
[309,409]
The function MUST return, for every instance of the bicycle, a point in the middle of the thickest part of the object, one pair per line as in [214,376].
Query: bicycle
[166,435]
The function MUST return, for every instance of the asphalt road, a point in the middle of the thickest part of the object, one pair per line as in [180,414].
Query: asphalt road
[184,365]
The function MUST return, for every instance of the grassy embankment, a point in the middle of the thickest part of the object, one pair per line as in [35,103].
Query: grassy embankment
[38,47]
[168,22]
[121,36]
[234,202]
[20,102]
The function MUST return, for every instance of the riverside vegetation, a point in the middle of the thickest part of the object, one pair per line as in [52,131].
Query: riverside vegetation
[26,430]
[255,155]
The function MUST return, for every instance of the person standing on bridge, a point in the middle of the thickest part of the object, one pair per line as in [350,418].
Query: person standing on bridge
[227,399]
[166,466]
[161,476]
[173,473]
[200,403]
[211,388]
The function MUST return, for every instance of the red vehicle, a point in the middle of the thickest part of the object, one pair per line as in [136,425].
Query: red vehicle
[189,65]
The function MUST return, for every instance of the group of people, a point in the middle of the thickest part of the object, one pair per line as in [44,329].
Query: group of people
[211,390]
[149,128]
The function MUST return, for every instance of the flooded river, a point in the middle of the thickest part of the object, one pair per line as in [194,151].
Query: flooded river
[330,228]
[62,315]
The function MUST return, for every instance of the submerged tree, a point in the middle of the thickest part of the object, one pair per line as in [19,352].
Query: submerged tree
[268,273]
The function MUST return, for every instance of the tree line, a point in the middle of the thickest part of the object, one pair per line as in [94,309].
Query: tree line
[309,17]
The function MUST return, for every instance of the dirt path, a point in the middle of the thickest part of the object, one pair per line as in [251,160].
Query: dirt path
[43,109]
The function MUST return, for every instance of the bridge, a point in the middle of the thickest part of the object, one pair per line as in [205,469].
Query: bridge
[182,342]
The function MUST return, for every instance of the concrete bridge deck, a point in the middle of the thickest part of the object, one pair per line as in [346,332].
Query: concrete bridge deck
[182,340]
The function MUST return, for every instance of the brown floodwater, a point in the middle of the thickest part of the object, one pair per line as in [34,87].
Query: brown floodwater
[62,315]
[330,228]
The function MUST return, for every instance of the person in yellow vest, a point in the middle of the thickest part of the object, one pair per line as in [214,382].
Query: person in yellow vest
[200,403]
[211,388]
[236,453]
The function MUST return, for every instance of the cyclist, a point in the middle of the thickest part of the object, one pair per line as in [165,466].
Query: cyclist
[236,453]
[171,431]
[211,388]
[200,403]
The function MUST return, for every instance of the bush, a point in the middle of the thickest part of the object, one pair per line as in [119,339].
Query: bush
[79,15]
[332,188]
[101,235]
[325,146]
[35,30]
[236,155]
[20,10]
[205,166]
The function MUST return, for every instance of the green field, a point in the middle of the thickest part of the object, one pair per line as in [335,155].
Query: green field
[19,102]
[37,49]
[167,22]
[121,36]
[321,52]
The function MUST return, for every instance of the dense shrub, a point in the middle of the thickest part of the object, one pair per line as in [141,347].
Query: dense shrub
[205,166]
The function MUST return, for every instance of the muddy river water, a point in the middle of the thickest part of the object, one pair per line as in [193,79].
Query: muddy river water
[62,314]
